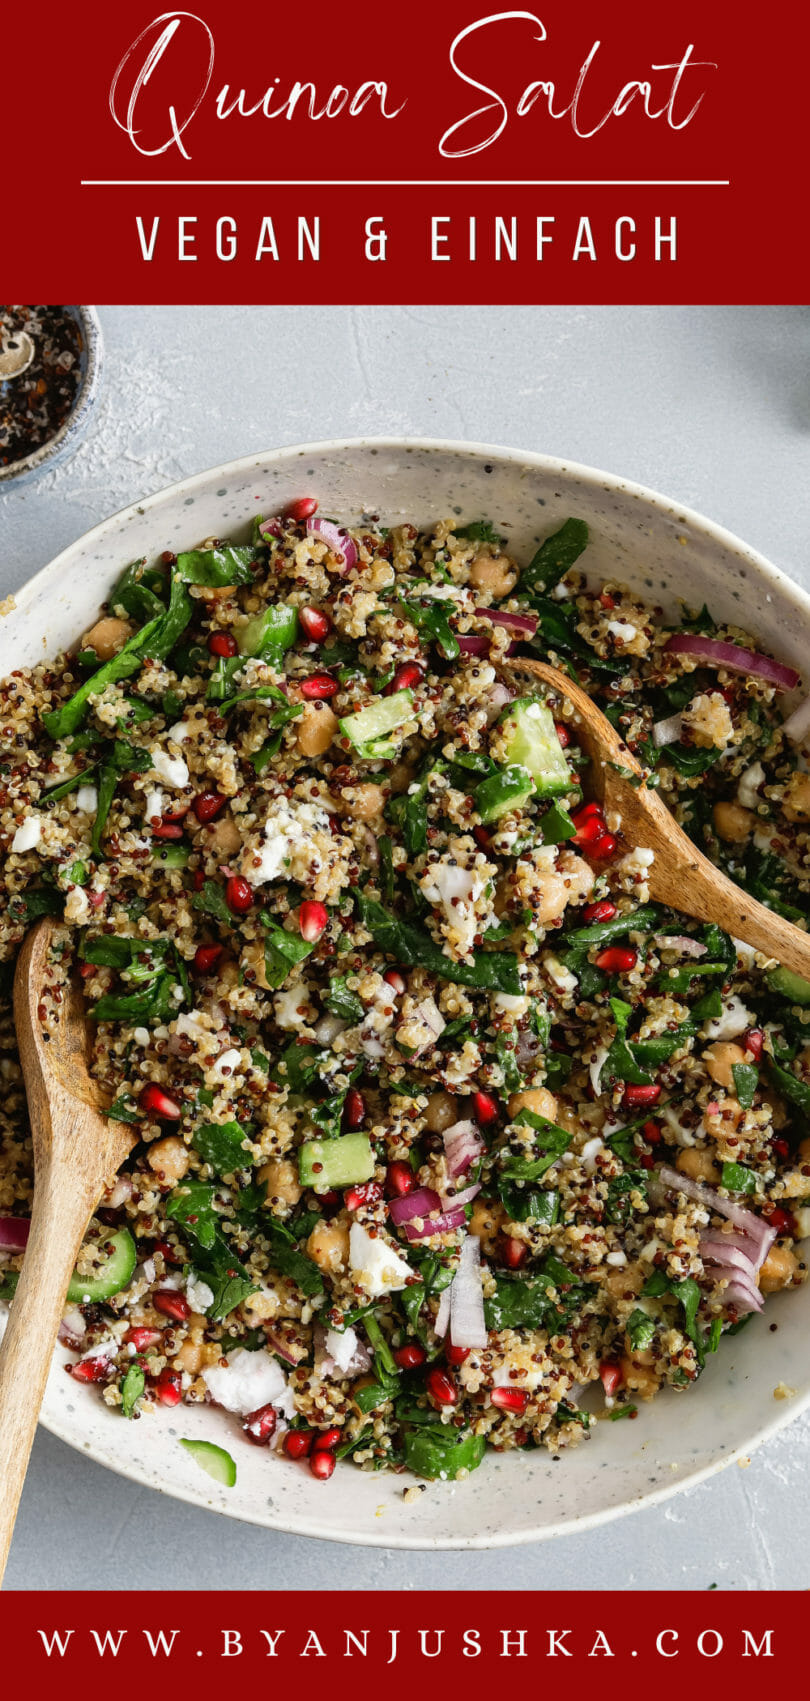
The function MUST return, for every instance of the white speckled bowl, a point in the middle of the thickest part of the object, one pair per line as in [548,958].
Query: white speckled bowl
[666,553]
[69,435]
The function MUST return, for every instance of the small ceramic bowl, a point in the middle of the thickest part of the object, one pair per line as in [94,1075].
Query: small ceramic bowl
[74,427]
[665,553]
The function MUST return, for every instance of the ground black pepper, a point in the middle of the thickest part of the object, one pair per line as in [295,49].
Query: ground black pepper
[35,404]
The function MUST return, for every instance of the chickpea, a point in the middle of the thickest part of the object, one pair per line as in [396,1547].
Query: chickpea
[796,801]
[732,822]
[640,1378]
[697,1163]
[282,1181]
[328,1245]
[315,729]
[190,1357]
[628,1279]
[223,838]
[538,1099]
[441,1112]
[487,1220]
[401,776]
[169,1159]
[553,899]
[108,636]
[719,1060]
[495,574]
[364,802]
[778,1270]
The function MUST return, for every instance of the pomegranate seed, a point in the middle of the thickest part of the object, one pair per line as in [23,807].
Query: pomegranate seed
[410,1356]
[606,599]
[90,1369]
[585,811]
[405,678]
[563,735]
[354,1109]
[312,920]
[260,1426]
[482,837]
[302,509]
[207,806]
[652,1133]
[753,1041]
[238,895]
[367,1194]
[395,980]
[222,644]
[330,1197]
[514,1251]
[86,970]
[617,959]
[779,1146]
[143,1339]
[589,832]
[172,1304]
[318,687]
[168,1253]
[647,1160]
[642,1095]
[783,1221]
[603,911]
[611,1375]
[169,1387]
[399,1179]
[441,1387]
[157,1103]
[297,1443]
[456,1355]
[509,1399]
[604,847]
[486,1108]
[315,623]
[322,1464]
[325,1440]
[167,830]
[198,879]
[206,958]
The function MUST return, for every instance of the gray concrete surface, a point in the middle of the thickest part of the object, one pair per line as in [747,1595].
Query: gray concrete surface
[710,405]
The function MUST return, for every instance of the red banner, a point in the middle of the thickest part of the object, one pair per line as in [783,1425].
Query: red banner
[75,1641]
[439,153]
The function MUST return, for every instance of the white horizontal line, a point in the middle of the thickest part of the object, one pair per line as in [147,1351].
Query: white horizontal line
[405,183]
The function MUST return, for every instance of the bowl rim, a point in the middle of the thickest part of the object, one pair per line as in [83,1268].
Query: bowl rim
[90,325]
[788,1410]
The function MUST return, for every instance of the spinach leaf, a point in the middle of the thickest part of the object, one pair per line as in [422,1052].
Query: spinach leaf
[640,1329]
[229,1288]
[478,531]
[192,1206]
[228,565]
[135,594]
[342,1002]
[120,758]
[410,945]
[738,1179]
[155,639]
[328,1115]
[155,1002]
[28,906]
[530,1204]
[746,1081]
[642,920]
[282,950]
[386,851]
[555,556]
[211,900]
[619,1206]
[790,1086]
[290,1262]
[690,759]
[505,1053]
[221,1144]
[432,620]
[301,1063]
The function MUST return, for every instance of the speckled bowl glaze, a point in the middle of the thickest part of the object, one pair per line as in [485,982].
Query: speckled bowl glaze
[667,554]
[70,434]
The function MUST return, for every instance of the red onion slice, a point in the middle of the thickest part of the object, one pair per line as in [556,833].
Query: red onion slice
[337,538]
[718,1251]
[462,1146]
[718,652]
[450,1200]
[14,1233]
[682,943]
[741,1293]
[756,1231]
[271,528]
[473,644]
[419,1203]
[467,1325]
[524,623]
[444,1223]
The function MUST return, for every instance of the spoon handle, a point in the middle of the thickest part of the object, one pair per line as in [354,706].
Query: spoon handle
[684,878]
[58,1221]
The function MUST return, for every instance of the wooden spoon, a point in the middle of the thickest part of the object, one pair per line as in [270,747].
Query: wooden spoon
[77,1153]
[680,875]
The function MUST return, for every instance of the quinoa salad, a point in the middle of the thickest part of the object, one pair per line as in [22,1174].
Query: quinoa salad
[445,1136]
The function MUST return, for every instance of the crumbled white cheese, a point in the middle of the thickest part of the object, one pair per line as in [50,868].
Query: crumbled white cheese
[229,1061]
[179,731]
[637,860]
[27,836]
[375,1265]
[198,1293]
[748,784]
[77,906]
[141,1036]
[290,848]
[192,1024]
[248,1381]
[596,1066]
[87,799]
[153,803]
[590,1152]
[289,1003]
[745,952]
[512,1004]
[173,770]
[733,1021]
[622,629]
[616,1258]
[341,1345]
